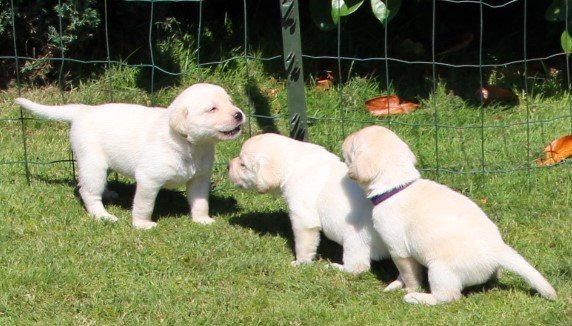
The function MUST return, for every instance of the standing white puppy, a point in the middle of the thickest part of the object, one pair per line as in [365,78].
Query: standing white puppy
[319,195]
[427,224]
[158,147]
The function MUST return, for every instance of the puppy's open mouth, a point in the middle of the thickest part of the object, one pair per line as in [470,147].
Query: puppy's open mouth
[231,133]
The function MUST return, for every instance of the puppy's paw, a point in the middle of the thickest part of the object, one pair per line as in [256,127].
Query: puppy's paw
[336,266]
[348,269]
[420,298]
[143,224]
[298,262]
[394,286]
[356,268]
[107,218]
[203,220]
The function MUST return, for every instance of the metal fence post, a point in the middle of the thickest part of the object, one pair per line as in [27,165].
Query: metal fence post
[293,68]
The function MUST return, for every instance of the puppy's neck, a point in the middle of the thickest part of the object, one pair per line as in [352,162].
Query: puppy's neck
[389,180]
[183,145]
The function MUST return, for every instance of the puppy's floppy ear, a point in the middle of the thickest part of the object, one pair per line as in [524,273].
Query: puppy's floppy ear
[362,162]
[348,143]
[366,164]
[268,174]
[178,120]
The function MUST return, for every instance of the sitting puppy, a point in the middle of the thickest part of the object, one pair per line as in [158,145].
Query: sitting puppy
[158,147]
[319,195]
[425,223]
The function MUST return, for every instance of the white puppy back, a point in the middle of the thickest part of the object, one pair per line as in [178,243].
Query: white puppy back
[319,180]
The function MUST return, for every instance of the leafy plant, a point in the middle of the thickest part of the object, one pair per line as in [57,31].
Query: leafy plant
[79,20]
[40,35]
[561,11]
[327,13]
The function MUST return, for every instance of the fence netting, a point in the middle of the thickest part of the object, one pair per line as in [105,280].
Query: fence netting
[441,54]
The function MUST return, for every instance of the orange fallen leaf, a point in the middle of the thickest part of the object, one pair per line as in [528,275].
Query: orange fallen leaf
[558,150]
[324,84]
[495,93]
[325,80]
[391,104]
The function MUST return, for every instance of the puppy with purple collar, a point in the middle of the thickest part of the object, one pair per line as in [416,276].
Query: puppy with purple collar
[424,223]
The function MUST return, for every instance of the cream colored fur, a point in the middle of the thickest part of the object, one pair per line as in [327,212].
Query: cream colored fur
[428,224]
[158,147]
[319,195]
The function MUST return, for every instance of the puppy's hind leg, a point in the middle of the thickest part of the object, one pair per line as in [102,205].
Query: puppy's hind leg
[92,172]
[357,254]
[410,275]
[445,287]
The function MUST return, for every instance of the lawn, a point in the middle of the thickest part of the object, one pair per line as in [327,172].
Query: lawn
[59,266]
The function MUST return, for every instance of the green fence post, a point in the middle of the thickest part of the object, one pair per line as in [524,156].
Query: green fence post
[293,68]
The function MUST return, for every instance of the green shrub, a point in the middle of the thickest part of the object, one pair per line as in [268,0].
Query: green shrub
[46,30]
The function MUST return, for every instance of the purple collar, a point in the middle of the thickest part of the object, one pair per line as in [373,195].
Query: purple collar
[377,199]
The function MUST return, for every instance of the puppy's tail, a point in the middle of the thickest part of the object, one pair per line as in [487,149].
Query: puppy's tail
[53,112]
[514,262]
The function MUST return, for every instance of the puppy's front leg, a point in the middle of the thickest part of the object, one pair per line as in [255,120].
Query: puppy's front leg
[306,242]
[198,198]
[143,203]
[410,274]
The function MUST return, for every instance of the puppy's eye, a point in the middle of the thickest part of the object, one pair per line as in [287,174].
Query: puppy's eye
[213,109]
[242,165]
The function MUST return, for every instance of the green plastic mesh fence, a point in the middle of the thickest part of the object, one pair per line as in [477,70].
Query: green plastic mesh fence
[491,96]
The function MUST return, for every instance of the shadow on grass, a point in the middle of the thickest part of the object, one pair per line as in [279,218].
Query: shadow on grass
[169,203]
[261,107]
[491,284]
[278,224]
[68,181]
[267,223]
[386,271]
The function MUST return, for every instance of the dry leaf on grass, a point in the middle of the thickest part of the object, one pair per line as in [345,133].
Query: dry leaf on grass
[495,93]
[324,84]
[558,150]
[325,80]
[387,105]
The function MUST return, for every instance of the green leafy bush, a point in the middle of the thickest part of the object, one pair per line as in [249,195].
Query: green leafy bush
[45,30]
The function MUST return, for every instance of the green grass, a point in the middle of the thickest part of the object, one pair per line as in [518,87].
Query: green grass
[59,266]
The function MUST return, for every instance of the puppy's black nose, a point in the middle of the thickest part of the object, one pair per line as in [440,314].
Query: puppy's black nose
[238,116]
